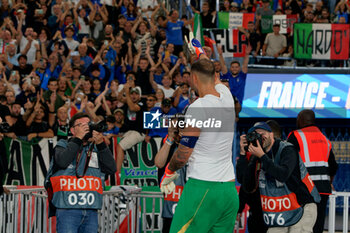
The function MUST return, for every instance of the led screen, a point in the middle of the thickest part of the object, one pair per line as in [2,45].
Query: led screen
[285,95]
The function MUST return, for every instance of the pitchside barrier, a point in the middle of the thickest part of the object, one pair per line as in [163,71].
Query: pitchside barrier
[124,210]
[28,164]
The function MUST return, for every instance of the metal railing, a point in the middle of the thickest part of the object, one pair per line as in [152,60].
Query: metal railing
[332,207]
[25,210]
[123,210]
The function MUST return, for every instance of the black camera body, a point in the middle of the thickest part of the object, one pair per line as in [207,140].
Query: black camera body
[251,138]
[99,127]
[4,127]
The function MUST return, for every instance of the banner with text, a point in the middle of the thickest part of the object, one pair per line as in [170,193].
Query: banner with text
[286,23]
[321,41]
[28,163]
[229,20]
[285,95]
[233,41]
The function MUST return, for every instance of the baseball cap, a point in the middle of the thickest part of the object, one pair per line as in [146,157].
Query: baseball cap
[166,102]
[234,4]
[74,53]
[135,90]
[260,125]
[118,110]
[70,27]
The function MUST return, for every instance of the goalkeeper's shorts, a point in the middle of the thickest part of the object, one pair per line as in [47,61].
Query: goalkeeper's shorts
[206,206]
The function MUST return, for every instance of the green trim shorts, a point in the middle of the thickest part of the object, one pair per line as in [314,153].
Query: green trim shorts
[206,206]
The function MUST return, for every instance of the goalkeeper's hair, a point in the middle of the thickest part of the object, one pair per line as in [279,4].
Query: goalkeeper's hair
[205,70]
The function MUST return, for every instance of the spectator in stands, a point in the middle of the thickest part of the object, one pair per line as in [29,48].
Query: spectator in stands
[83,19]
[236,75]
[131,12]
[160,96]
[146,7]
[166,85]
[10,59]
[133,110]
[14,82]
[143,36]
[18,126]
[28,92]
[131,79]
[181,94]
[275,44]
[119,120]
[226,6]
[151,101]
[253,37]
[309,17]
[23,67]
[37,127]
[208,16]
[27,40]
[318,9]
[141,68]
[325,17]
[173,29]
[69,41]
[234,7]
[10,96]
[265,10]
[59,122]
[316,152]
[112,130]
[342,10]
[53,20]
[166,111]
[52,88]
[85,60]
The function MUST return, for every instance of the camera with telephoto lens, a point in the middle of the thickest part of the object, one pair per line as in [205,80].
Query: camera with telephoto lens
[4,127]
[99,127]
[251,138]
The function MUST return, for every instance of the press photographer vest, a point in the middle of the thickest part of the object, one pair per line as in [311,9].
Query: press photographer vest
[279,205]
[72,192]
[311,139]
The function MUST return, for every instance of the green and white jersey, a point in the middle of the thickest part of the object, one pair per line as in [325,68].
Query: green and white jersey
[211,159]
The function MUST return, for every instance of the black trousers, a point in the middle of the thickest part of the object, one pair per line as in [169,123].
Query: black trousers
[166,225]
[321,214]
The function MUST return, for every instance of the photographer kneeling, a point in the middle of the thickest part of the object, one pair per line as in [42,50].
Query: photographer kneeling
[77,176]
[287,194]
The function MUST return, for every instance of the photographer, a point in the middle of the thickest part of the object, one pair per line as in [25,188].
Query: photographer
[287,195]
[77,183]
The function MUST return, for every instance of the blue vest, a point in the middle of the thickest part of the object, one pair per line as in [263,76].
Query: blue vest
[71,192]
[279,205]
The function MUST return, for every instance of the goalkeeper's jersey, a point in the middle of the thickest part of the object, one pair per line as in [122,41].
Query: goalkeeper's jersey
[211,159]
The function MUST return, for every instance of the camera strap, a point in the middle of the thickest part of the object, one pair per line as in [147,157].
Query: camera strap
[87,161]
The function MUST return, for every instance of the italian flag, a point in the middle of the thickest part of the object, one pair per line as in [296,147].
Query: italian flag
[286,22]
[228,20]
[321,41]
[197,28]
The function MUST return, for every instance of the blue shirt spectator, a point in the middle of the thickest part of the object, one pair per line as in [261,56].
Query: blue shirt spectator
[166,110]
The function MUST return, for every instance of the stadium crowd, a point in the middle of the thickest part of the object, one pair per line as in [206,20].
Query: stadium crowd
[117,59]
